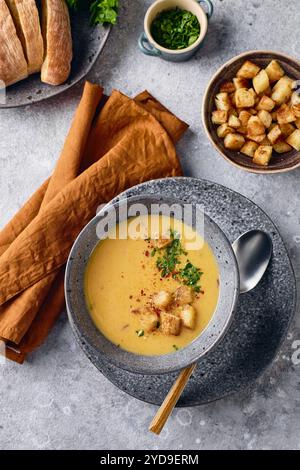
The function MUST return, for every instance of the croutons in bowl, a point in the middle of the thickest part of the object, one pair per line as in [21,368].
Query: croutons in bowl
[167,315]
[251,112]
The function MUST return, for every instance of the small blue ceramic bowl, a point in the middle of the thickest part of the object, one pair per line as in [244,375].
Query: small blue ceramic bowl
[150,47]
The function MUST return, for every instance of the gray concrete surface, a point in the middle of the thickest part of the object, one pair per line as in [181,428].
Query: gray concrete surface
[58,400]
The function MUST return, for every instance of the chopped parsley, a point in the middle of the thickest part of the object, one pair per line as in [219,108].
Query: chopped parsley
[140,333]
[170,257]
[190,275]
[175,29]
[175,347]
[168,262]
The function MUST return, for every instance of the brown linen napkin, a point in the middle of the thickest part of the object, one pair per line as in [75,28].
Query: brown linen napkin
[130,141]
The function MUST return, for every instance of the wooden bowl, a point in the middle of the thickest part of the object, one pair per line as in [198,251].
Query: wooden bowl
[279,162]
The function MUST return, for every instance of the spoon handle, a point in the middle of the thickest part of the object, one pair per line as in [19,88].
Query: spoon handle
[171,399]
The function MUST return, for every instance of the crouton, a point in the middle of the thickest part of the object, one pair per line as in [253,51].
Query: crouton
[294,139]
[255,126]
[223,130]
[285,114]
[265,141]
[188,316]
[162,299]
[256,138]
[265,117]
[219,116]
[233,112]
[248,70]
[234,141]
[282,91]
[244,98]
[274,115]
[281,146]
[249,148]
[255,95]
[266,104]
[261,82]
[296,110]
[227,87]
[274,134]
[274,71]
[183,295]
[234,121]
[242,130]
[263,155]
[232,99]
[223,101]
[267,92]
[240,82]
[244,117]
[252,111]
[297,122]
[287,129]
[160,243]
[170,324]
[147,317]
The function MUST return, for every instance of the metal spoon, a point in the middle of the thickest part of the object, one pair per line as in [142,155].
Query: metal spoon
[253,251]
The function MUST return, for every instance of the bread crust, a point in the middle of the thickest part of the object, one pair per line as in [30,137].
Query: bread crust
[27,23]
[58,42]
[13,65]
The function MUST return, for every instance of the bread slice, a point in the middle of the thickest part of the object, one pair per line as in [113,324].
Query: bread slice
[13,65]
[58,42]
[27,22]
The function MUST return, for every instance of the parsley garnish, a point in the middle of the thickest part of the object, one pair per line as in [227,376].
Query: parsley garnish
[175,29]
[169,259]
[190,276]
[168,262]
[102,11]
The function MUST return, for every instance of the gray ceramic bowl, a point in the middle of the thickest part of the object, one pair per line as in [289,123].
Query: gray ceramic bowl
[84,327]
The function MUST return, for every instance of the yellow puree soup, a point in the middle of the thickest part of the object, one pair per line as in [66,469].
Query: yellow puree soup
[122,275]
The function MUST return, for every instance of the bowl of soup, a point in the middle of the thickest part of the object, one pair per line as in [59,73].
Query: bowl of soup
[151,284]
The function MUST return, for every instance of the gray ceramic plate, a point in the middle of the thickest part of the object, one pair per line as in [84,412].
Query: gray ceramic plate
[88,42]
[76,304]
[262,319]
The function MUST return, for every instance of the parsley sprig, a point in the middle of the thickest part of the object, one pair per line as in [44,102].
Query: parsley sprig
[102,11]
[169,260]
[190,275]
[175,29]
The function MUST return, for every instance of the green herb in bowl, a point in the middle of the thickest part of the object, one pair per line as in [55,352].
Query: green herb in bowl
[175,29]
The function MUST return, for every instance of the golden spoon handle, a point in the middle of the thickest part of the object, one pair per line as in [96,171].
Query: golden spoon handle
[171,399]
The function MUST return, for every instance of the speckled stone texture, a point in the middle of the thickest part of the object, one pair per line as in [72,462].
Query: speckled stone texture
[58,399]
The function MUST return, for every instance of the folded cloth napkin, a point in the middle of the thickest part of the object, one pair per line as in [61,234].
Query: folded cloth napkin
[109,148]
